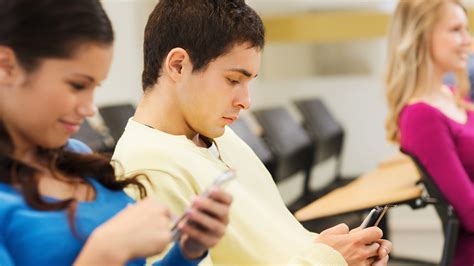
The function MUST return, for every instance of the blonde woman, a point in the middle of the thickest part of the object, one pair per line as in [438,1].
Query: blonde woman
[429,120]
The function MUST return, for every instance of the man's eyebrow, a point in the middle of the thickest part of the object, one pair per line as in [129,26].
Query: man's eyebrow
[243,72]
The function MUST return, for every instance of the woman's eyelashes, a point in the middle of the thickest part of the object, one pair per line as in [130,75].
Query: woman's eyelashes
[459,28]
[78,86]
[456,28]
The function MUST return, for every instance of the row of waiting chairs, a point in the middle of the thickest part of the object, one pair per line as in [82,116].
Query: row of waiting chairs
[287,147]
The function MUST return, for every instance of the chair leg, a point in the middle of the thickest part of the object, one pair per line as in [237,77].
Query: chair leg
[337,170]
[306,183]
[450,240]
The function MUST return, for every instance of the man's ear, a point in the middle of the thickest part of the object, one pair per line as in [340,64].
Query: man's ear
[176,63]
[9,66]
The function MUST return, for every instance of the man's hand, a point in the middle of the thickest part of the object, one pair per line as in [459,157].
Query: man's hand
[358,247]
[205,224]
[383,253]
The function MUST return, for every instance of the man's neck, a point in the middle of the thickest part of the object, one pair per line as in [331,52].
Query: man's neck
[157,109]
[202,141]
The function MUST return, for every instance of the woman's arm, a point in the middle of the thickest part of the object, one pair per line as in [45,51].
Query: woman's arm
[140,230]
[175,256]
[97,251]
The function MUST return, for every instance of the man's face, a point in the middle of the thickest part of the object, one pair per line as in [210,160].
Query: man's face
[211,99]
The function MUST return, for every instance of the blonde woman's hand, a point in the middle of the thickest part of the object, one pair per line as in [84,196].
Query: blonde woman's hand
[139,230]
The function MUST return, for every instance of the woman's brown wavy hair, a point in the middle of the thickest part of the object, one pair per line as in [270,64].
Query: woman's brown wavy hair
[36,30]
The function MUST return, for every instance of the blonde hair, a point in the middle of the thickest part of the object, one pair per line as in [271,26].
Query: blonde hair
[410,66]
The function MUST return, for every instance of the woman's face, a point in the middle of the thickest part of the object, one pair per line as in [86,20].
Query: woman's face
[450,39]
[45,107]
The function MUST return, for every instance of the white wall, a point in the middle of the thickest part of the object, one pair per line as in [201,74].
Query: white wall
[124,82]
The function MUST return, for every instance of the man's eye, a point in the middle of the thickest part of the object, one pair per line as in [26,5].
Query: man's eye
[233,81]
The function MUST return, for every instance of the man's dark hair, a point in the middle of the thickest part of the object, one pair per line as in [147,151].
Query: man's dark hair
[206,29]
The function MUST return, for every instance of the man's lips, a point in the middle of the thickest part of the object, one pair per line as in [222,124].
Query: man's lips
[230,119]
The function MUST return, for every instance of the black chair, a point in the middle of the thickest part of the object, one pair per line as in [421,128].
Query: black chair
[95,140]
[116,117]
[327,134]
[290,144]
[445,211]
[294,152]
[256,143]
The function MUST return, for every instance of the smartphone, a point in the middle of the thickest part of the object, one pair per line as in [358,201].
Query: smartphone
[375,216]
[219,181]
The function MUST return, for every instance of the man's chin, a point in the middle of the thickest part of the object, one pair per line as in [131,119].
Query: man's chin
[218,132]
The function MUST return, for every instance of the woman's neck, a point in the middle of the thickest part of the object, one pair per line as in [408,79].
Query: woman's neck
[434,87]
[23,149]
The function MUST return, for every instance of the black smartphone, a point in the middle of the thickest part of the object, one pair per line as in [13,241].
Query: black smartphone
[375,216]
[219,181]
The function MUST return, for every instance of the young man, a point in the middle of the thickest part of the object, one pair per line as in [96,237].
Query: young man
[200,57]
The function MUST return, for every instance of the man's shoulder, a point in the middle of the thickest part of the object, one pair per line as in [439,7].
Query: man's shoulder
[142,148]
[139,138]
[230,138]
[230,142]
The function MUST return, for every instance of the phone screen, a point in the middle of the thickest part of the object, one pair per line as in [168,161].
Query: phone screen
[375,216]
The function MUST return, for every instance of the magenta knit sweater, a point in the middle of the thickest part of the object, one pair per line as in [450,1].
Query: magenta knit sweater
[446,149]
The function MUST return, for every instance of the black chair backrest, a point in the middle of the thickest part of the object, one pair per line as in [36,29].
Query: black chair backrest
[255,142]
[116,117]
[449,220]
[289,142]
[96,141]
[323,128]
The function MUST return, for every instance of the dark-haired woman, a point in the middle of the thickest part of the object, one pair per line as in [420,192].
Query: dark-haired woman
[59,203]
